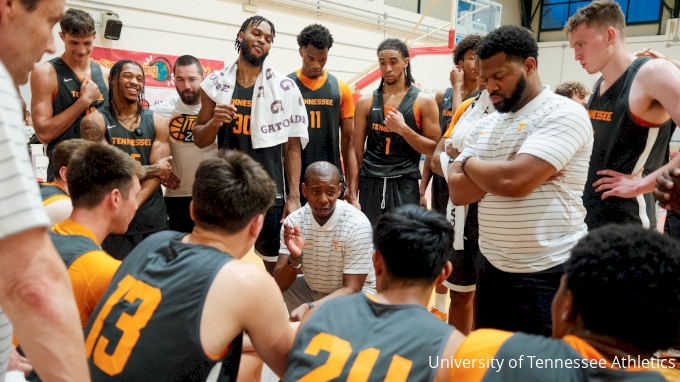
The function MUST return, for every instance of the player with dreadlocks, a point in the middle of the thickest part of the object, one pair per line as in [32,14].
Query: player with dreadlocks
[226,112]
[397,123]
[142,134]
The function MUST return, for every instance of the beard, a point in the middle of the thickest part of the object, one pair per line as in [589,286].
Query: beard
[251,58]
[189,97]
[510,104]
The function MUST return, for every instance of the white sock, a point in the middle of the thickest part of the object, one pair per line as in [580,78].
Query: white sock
[440,302]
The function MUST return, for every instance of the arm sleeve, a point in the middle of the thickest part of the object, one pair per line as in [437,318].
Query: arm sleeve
[346,101]
[557,138]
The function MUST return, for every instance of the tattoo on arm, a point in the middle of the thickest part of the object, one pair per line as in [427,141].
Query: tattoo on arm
[151,171]
[91,131]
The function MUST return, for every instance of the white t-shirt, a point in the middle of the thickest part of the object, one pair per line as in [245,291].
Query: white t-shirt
[536,232]
[186,156]
[344,245]
[20,201]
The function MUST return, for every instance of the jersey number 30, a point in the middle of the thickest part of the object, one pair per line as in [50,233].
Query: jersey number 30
[129,291]
[339,352]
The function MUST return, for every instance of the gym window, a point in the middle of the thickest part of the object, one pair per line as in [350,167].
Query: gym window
[555,13]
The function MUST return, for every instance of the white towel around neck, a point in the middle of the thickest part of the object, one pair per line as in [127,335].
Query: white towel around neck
[278,110]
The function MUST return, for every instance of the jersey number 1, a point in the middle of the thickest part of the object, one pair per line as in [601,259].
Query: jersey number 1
[130,291]
[339,352]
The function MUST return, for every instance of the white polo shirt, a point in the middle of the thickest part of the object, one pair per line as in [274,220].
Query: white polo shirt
[536,232]
[344,245]
[20,201]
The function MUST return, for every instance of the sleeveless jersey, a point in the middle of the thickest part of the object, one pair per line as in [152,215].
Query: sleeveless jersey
[150,216]
[186,156]
[68,92]
[373,339]
[146,327]
[236,135]
[388,154]
[446,112]
[620,144]
[323,106]
[50,193]
[71,247]
[548,359]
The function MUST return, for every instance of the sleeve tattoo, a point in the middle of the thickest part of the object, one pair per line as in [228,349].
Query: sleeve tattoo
[91,131]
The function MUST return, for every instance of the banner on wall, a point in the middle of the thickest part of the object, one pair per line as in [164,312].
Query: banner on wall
[159,81]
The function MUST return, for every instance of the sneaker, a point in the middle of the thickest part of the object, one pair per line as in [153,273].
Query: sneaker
[439,314]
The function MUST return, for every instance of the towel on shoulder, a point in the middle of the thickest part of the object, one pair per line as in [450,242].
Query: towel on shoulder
[278,110]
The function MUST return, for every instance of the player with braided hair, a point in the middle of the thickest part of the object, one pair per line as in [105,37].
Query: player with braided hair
[397,123]
[144,135]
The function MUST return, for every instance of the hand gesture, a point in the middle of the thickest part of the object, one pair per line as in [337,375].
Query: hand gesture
[456,76]
[394,121]
[297,314]
[89,91]
[649,53]
[164,168]
[614,183]
[666,191]
[293,239]
[172,182]
[223,113]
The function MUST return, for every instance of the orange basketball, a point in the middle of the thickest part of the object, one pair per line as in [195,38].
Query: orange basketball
[177,130]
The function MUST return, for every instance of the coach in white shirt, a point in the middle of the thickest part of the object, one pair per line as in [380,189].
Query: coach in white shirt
[338,245]
[527,166]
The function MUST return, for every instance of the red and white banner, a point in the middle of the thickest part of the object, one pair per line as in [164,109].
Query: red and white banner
[159,81]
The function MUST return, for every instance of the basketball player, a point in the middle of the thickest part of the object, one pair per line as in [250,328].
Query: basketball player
[103,183]
[186,156]
[390,336]
[330,105]
[397,123]
[34,289]
[617,304]
[66,88]
[144,135]
[631,109]
[574,90]
[181,302]
[230,124]
[55,194]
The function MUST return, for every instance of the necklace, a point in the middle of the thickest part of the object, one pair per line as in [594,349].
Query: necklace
[126,120]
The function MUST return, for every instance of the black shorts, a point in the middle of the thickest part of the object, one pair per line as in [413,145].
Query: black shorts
[397,192]
[269,242]
[516,302]
[464,275]
[178,213]
[440,194]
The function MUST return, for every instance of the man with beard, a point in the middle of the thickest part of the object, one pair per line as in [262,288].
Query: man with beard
[144,135]
[230,105]
[395,124]
[186,156]
[528,219]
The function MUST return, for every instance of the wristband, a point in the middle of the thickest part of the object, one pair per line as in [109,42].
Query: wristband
[293,266]
[311,305]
